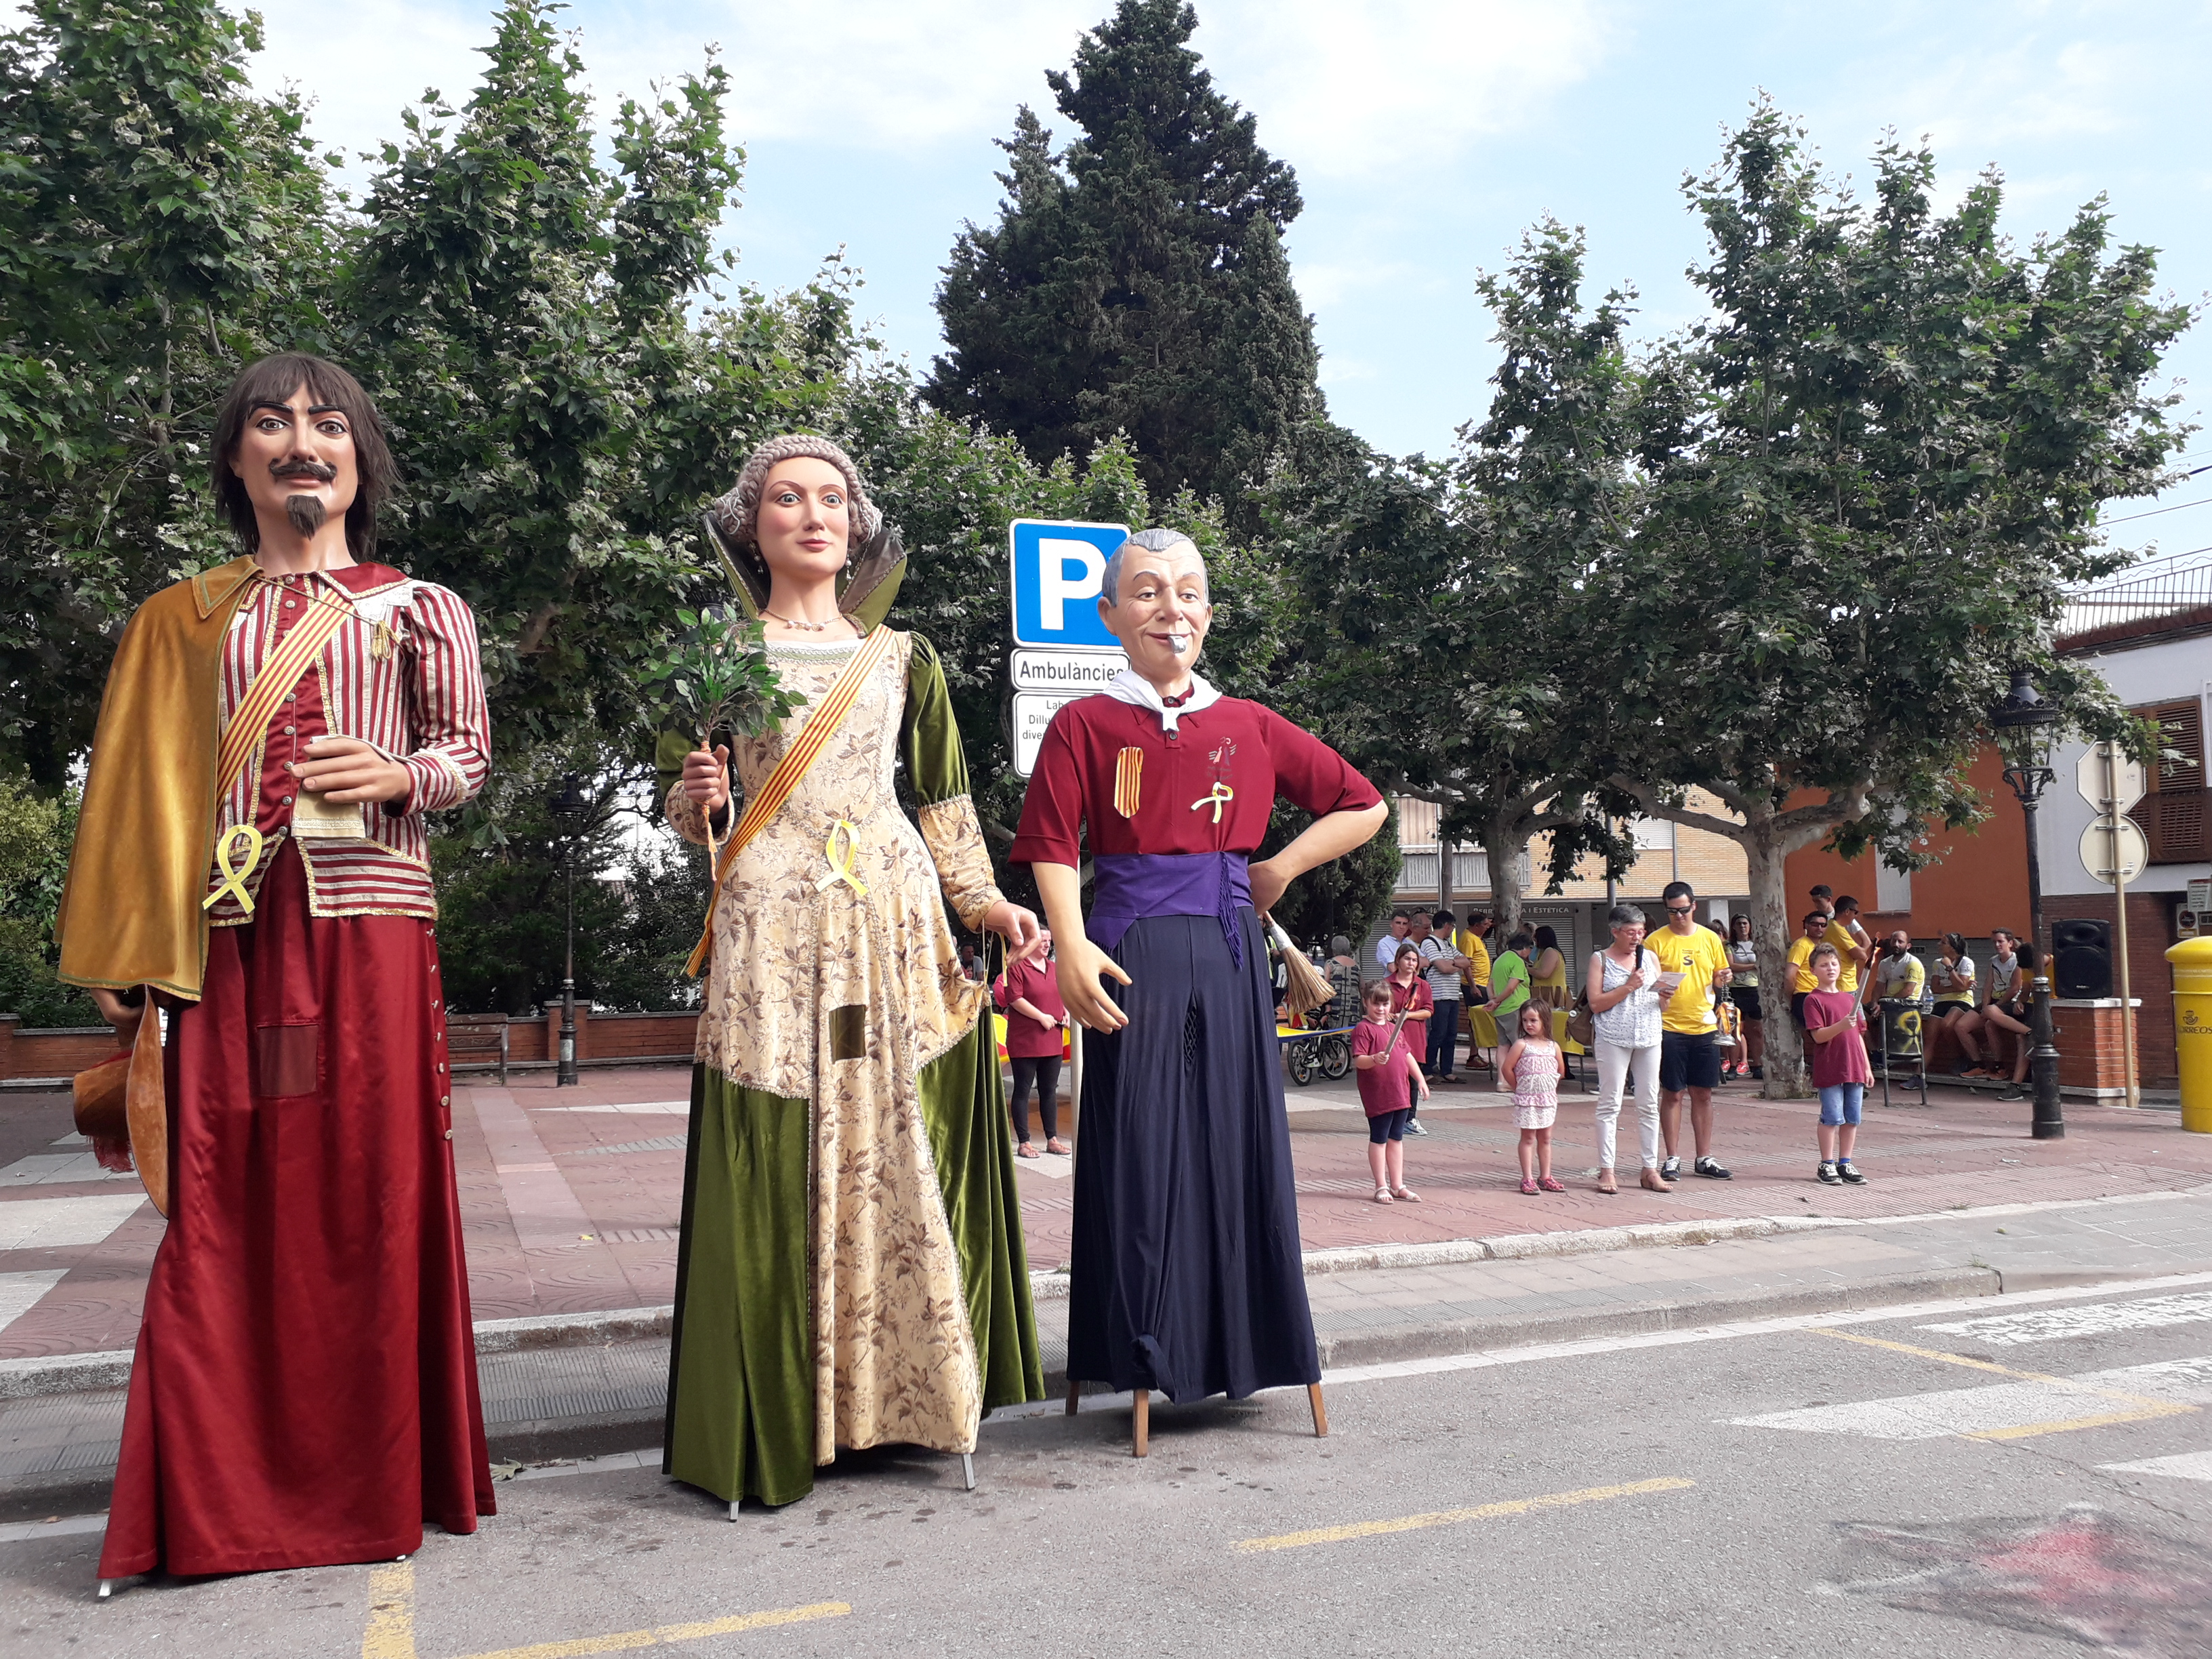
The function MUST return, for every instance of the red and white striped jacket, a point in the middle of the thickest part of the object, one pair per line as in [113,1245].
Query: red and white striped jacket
[401,673]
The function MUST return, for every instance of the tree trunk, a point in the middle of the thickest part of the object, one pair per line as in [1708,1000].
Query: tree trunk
[1503,850]
[1773,928]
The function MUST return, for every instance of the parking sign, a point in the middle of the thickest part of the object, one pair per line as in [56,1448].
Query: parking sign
[1057,567]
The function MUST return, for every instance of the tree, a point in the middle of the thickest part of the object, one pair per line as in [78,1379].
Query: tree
[1464,585]
[1135,281]
[1874,475]
[158,223]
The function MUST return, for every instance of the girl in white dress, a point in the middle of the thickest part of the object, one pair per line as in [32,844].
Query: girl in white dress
[1531,1068]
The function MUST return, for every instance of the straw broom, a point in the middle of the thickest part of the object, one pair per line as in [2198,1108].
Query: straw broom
[1306,990]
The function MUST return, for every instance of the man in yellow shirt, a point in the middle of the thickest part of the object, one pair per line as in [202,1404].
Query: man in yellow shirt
[1853,946]
[1689,1058]
[1801,962]
[1470,942]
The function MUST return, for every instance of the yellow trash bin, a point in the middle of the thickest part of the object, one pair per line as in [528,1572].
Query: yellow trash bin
[2192,1030]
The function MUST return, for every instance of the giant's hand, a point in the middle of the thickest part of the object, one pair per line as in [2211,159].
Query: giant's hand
[348,771]
[122,1015]
[1016,925]
[707,778]
[1081,968]
[1268,884]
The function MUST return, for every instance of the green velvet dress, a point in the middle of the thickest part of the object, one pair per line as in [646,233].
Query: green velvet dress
[851,1271]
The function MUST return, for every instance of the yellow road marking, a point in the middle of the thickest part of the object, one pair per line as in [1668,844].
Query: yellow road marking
[2147,1406]
[1558,1500]
[391,1632]
[667,1635]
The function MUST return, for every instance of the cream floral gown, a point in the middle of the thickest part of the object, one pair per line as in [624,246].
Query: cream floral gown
[851,1270]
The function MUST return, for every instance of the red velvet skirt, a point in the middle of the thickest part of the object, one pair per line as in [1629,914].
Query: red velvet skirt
[305,1388]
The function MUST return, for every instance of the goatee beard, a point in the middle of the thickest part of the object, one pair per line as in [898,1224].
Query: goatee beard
[306,512]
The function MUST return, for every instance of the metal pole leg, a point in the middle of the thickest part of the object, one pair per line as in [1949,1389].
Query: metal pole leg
[107,1588]
[1143,1422]
[1320,1411]
[733,1509]
[967,1469]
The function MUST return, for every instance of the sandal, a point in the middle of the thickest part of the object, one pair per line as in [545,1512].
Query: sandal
[1405,1196]
[1056,1147]
[1551,1186]
[1026,1150]
[1528,1186]
[1383,1195]
[1609,1186]
[1653,1182]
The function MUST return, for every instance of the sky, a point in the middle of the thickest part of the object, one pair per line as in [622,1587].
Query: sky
[1426,135]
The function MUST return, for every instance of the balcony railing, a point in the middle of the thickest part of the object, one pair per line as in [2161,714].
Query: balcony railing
[2169,600]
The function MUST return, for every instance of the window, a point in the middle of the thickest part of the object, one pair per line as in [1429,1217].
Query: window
[2172,810]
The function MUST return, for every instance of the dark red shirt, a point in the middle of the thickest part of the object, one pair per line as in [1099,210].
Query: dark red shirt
[1108,772]
[1035,982]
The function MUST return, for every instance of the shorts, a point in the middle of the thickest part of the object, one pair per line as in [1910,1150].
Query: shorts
[1943,1011]
[1688,1060]
[1745,997]
[1389,1126]
[1840,1103]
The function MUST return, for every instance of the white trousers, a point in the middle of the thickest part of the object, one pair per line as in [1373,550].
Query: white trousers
[1614,1063]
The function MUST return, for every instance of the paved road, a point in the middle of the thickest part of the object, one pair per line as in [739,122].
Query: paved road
[1938,1480]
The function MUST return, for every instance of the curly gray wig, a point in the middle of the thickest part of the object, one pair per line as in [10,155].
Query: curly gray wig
[737,512]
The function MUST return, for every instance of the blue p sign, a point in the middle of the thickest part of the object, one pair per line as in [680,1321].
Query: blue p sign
[1057,568]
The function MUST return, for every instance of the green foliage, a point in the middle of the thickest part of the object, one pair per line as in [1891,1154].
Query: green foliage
[35,836]
[719,679]
[1135,281]
[158,223]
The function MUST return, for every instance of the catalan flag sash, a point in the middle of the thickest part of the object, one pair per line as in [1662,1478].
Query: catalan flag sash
[1128,774]
[797,761]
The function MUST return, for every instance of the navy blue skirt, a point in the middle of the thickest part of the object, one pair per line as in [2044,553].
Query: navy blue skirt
[1185,1275]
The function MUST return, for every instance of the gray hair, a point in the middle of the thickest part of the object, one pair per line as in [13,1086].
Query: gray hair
[737,512]
[1152,541]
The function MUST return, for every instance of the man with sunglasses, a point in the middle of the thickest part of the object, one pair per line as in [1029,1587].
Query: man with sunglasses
[1689,1056]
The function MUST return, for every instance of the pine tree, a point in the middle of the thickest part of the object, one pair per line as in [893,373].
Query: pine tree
[1135,281]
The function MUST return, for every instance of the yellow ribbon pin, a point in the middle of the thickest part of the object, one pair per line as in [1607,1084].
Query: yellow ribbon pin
[1219,797]
[234,879]
[844,869]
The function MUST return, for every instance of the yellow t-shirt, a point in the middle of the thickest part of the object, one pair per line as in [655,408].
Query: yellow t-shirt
[1697,956]
[1471,946]
[1847,976]
[1801,965]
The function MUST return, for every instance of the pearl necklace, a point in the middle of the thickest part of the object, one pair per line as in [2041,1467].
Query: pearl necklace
[809,626]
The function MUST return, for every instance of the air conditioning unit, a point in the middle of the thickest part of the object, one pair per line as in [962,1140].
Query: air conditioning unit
[2194,919]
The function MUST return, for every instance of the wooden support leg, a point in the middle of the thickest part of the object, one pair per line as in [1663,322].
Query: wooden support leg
[1143,1397]
[1320,1411]
[1074,1393]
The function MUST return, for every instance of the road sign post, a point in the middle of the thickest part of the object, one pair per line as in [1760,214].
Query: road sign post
[2114,850]
[1056,572]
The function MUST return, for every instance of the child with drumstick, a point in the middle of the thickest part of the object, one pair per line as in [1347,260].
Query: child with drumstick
[1386,1071]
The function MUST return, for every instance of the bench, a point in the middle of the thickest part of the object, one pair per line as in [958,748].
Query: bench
[484,1034]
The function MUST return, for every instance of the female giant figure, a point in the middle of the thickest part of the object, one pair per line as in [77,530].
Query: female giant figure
[851,1269]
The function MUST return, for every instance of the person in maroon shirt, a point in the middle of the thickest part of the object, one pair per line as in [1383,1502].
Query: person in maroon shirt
[1036,1018]
[1186,1273]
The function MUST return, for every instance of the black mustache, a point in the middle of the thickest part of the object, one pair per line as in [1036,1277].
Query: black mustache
[300,467]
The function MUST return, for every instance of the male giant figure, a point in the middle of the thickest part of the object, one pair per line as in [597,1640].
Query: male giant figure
[251,856]
[1186,1271]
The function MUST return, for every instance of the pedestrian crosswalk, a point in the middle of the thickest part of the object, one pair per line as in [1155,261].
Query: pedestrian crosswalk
[2016,1410]
[2097,1318]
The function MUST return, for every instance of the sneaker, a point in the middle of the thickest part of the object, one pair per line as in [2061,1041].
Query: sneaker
[1671,1170]
[2013,1091]
[1711,1169]
[1417,1127]
[1849,1171]
[1828,1175]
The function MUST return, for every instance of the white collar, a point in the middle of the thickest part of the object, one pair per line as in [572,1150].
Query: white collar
[1128,686]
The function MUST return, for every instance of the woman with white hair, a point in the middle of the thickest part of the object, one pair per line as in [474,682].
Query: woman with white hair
[850,1271]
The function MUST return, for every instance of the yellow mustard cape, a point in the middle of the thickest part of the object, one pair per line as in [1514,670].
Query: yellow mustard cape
[131,910]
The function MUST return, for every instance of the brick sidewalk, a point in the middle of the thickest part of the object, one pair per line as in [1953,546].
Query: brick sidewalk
[569,1197]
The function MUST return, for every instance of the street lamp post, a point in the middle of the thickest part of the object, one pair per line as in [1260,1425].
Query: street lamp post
[2025,715]
[572,810]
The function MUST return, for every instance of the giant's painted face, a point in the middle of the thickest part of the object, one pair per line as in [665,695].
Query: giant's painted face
[1160,612]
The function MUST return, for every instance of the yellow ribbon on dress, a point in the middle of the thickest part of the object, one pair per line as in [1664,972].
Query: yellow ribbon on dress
[1219,797]
[233,880]
[845,870]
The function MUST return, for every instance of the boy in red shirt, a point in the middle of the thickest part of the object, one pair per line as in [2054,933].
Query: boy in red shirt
[1836,1025]
[1386,1069]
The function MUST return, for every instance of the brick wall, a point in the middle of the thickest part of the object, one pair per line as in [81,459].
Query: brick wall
[57,1053]
[2150,933]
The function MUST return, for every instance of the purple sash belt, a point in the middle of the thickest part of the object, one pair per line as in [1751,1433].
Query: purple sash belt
[1134,885]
